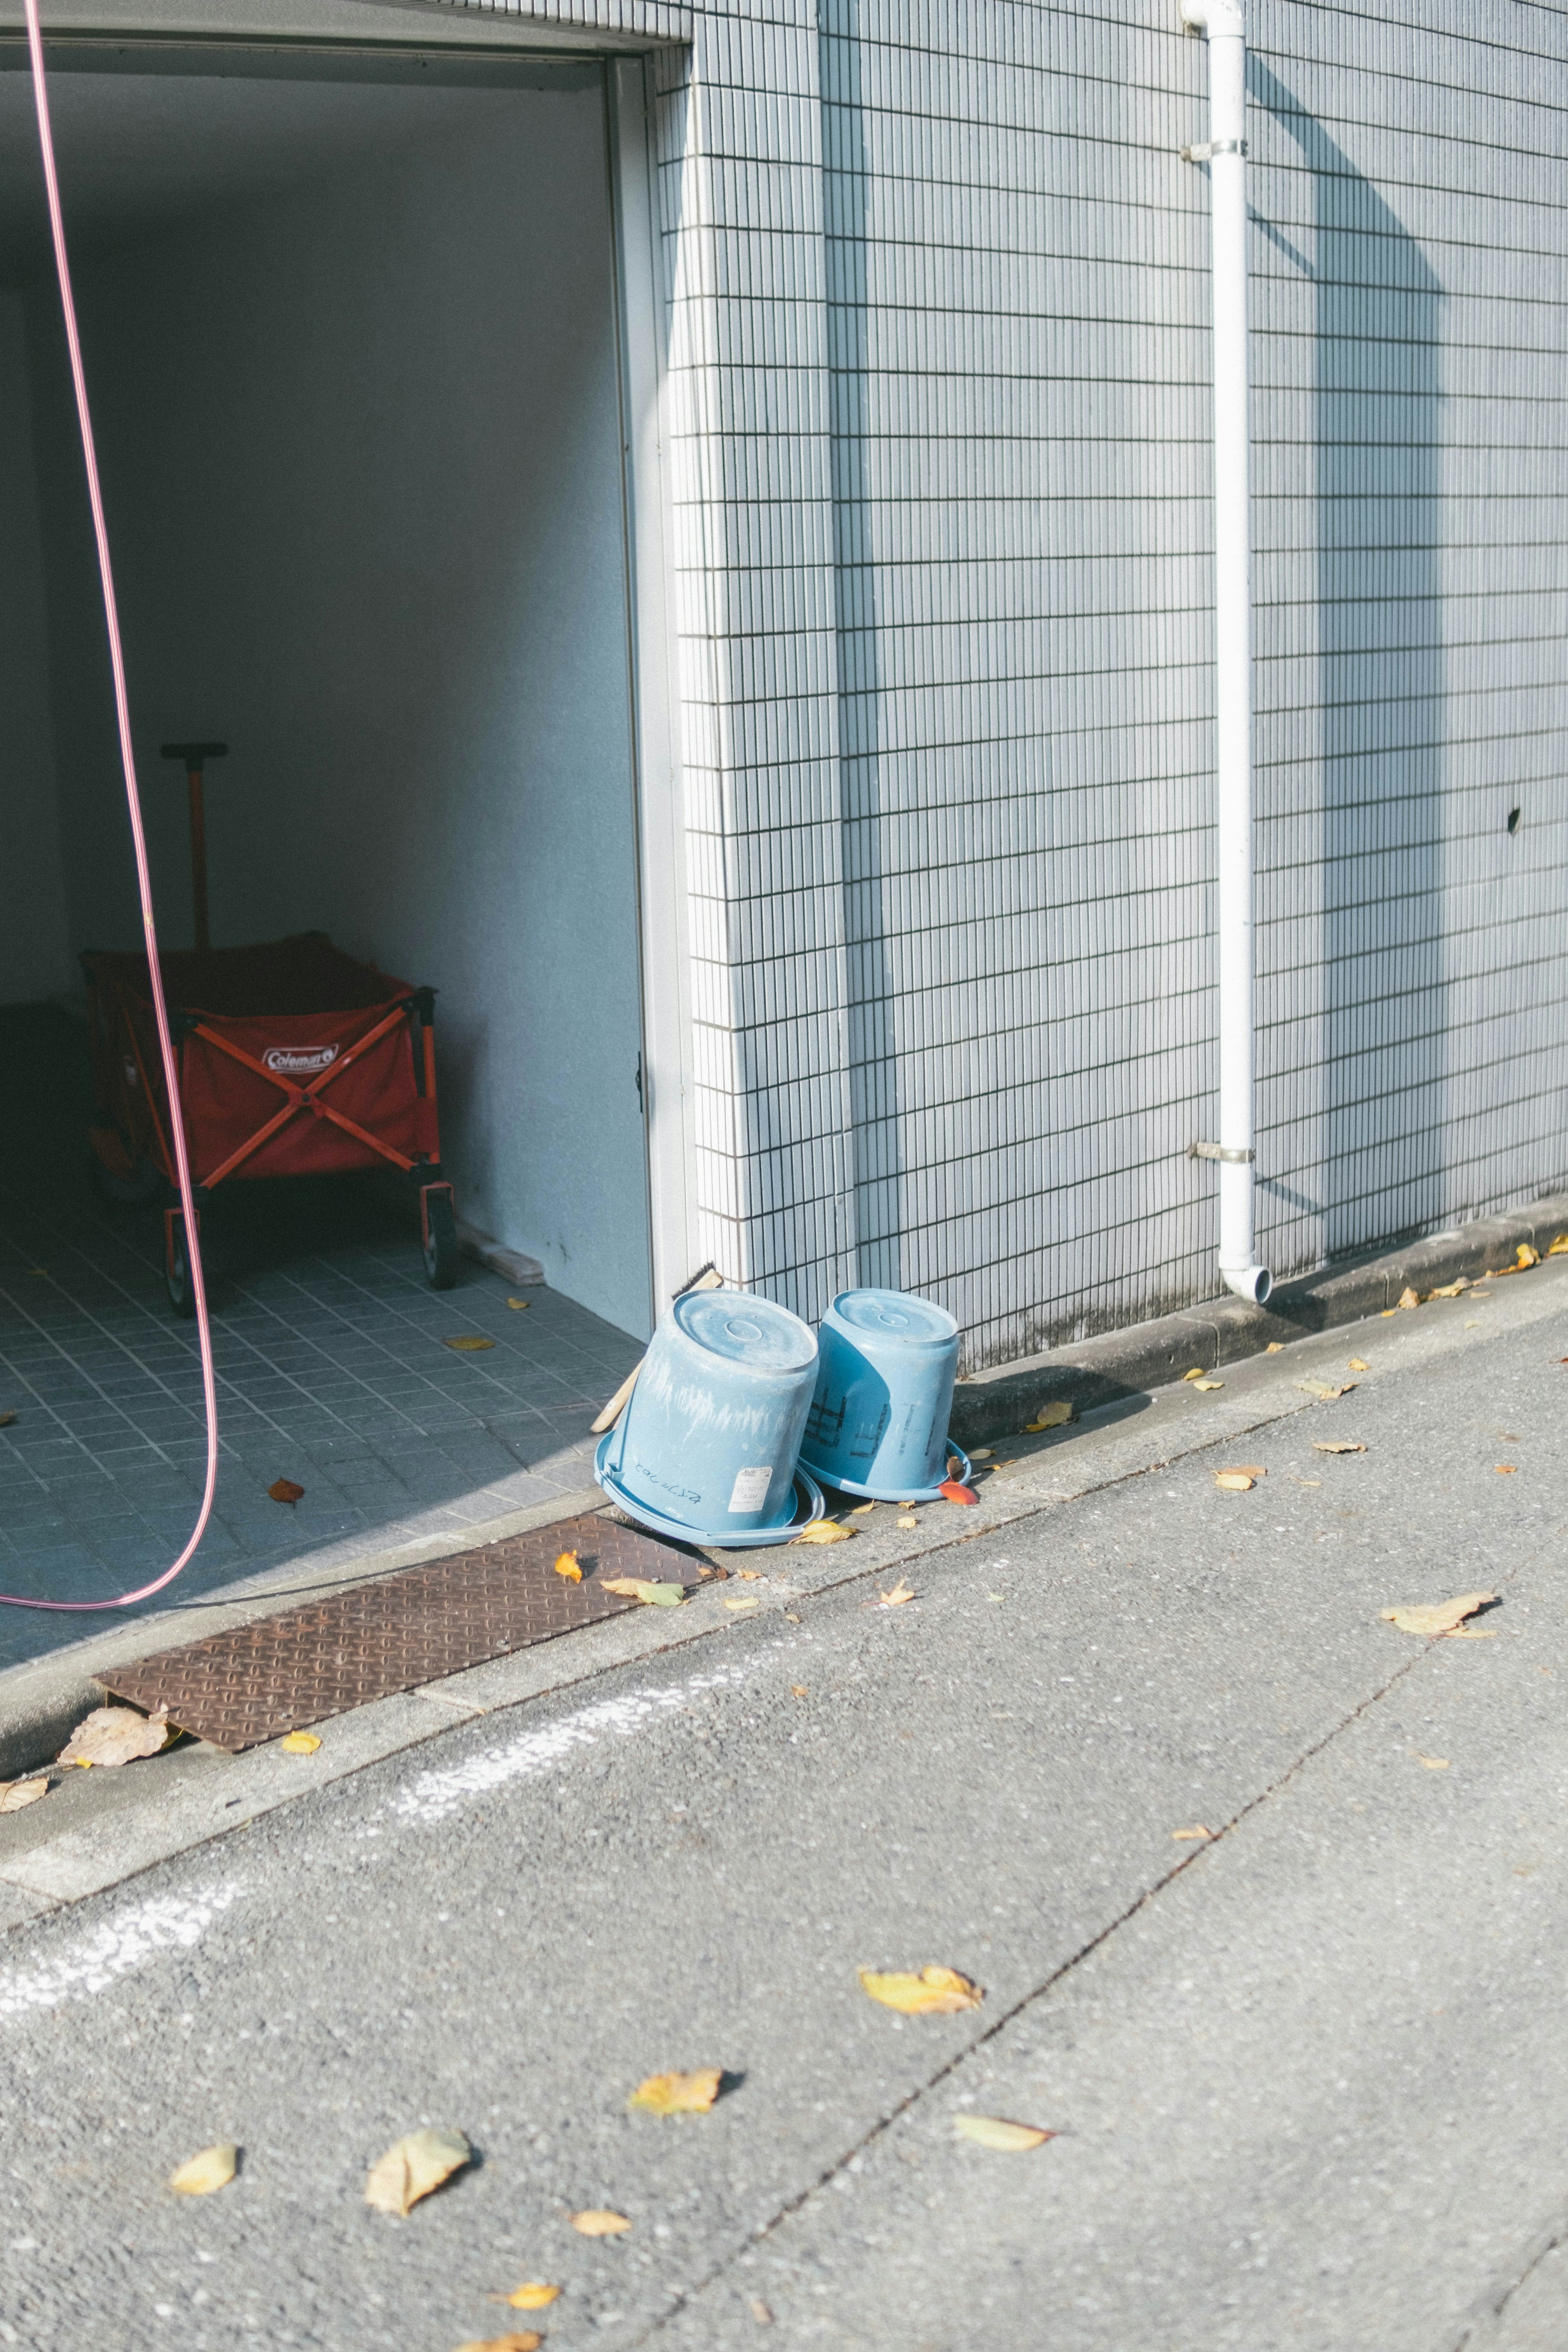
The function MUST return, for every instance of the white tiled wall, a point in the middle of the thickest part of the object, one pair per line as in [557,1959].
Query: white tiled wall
[939,301]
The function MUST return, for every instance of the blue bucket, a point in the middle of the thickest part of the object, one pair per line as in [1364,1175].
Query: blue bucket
[879,1417]
[710,1438]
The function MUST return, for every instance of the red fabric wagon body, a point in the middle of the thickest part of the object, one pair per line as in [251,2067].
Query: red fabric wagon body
[294,1060]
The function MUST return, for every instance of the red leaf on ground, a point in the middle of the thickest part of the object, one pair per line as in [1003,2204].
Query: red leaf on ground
[954,1493]
[284,1490]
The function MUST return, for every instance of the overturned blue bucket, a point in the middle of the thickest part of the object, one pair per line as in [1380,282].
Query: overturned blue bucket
[877,1424]
[707,1446]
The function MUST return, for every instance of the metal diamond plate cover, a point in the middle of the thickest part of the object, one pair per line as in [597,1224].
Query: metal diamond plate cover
[279,1673]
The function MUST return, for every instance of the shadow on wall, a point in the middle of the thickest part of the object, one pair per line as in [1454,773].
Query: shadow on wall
[1382,716]
[874,1093]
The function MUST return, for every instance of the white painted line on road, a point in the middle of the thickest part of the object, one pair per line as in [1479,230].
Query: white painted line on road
[432,1796]
[125,1942]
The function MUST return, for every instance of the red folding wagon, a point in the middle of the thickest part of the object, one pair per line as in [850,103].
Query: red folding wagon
[294,1060]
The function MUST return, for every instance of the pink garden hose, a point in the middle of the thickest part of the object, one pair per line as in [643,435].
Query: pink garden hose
[144,877]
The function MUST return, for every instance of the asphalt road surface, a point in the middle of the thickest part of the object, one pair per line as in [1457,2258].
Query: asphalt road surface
[1308,2074]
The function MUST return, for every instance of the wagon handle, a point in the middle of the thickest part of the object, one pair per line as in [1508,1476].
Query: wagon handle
[196,756]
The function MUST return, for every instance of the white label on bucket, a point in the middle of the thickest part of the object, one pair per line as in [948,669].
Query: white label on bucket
[750,1491]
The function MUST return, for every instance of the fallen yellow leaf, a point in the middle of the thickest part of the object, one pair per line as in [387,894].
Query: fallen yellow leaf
[15,1794]
[761,2312]
[860,1510]
[1306,1482]
[531,2295]
[568,1564]
[1526,1255]
[413,2166]
[1274,1348]
[298,1743]
[643,1589]
[468,1343]
[739,1600]
[1195,1374]
[215,2167]
[521,1304]
[799,1689]
[1450,1289]
[1054,1415]
[980,1454]
[677,2094]
[522,2339]
[824,1531]
[1325,1390]
[906,1523]
[896,1598]
[599,2224]
[1358,1364]
[922,1992]
[992,2131]
[1407,1297]
[1336,1445]
[750,1575]
[1433,1763]
[1559,1248]
[1506,1469]
[1233,1482]
[1197,1830]
[1206,1385]
[116,1735]
[1439,1617]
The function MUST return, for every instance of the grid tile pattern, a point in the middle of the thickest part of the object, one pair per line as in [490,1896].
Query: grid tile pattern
[333,1372]
[939,361]
[655,20]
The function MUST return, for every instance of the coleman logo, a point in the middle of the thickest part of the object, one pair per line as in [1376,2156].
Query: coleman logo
[303,1061]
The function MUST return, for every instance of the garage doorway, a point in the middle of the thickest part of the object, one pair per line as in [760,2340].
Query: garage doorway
[350,326]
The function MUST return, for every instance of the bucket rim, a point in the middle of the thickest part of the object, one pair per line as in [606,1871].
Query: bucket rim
[861,1333]
[892,1494]
[719,1540]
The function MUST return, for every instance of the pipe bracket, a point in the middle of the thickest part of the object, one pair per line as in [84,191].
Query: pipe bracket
[1207,149]
[1232,1153]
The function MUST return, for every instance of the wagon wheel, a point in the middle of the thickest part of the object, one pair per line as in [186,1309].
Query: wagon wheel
[177,1273]
[441,1249]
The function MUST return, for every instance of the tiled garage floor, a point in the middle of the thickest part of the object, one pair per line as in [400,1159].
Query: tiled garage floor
[331,1372]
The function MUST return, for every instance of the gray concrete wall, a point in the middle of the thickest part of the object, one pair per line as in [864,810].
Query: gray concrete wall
[35,934]
[361,455]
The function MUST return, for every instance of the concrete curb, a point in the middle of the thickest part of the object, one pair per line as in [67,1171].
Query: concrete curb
[1119,1364]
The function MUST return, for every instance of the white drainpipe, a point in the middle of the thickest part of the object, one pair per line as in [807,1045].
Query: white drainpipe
[1225,153]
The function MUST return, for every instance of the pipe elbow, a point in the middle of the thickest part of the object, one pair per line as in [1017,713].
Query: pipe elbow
[1220,19]
[1253,1283]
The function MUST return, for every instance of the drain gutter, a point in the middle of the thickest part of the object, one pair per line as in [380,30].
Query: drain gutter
[1226,156]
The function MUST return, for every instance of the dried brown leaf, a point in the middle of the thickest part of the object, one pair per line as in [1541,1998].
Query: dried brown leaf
[15,1794]
[1505,1469]
[1197,1830]
[470,1343]
[1437,1617]
[1337,1445]
[678,2095]
[1233,1482]
[993,2131]
[215,2167]
[522,2339]
[6,1418]
[413,2166]
[922,1992]
[599,2223]
[1325,1390]
[116,1735]
[284,1490]
[1275,1347]
[1407,1297]
[896,1598]
[1450,1289]
[1054,1415]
